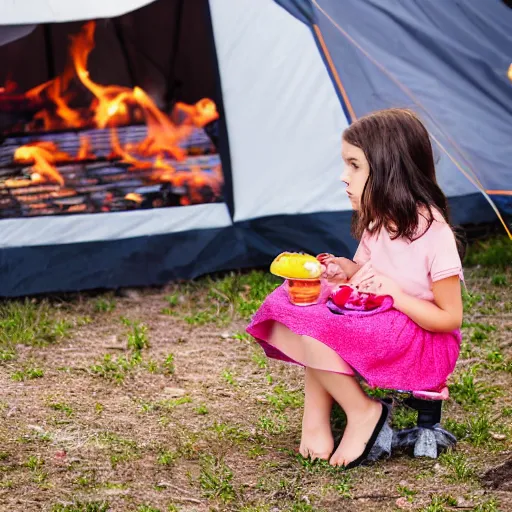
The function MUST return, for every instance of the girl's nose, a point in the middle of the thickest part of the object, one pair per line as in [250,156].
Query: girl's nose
[344,177]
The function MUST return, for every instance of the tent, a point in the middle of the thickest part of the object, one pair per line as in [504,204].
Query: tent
[287,77]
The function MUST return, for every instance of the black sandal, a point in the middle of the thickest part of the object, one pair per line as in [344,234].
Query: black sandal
[379,444]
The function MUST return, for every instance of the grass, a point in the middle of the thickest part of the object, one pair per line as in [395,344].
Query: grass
[80,506]
[29,323]
[215,479]
[191,415]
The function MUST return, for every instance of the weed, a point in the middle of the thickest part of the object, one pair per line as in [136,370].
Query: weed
[7,355]
[456,461]
[470,300]
[147,508]
[121,449]
[172,300]
[275,424]
[202,409]
[232,433]
[438,502]
[478,325]
[488,506]
[62,407]
[479,336]
[168,365]
[164,405]
[468,393]
[80,506]
[167,458]
[260,359]
[496,252]
[105,305]
[215,479]
[404,417]
[116,369]
[138,336]
[406,492]
[152,366]
[27,374]
[227,375]
[343,485]
[29,323]
[34,463]
[281,398]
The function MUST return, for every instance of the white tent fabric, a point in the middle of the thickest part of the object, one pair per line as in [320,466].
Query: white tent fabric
[112,226]
[283,115]
[45,11]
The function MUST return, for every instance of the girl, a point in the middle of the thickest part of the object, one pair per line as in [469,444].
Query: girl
[407,251]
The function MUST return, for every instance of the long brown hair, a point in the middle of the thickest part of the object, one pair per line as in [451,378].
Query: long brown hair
[402,180]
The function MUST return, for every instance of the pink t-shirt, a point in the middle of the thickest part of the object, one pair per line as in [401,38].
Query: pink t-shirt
[414,266]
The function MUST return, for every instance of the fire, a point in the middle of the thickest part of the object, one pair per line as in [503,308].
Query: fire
[111,107]
[84,152]
[42,155]
[510,72]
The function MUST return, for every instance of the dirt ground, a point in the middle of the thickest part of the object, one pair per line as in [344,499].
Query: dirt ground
[186,414]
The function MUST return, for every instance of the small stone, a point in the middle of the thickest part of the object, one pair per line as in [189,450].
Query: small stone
[174,392]
[403,504]
[498,437]
[463,502]
[129,293]
[225,335]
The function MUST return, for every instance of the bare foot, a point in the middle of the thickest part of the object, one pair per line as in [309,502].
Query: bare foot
[357,434]
[316,440]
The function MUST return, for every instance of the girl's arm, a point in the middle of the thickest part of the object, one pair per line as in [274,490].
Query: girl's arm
[444,315]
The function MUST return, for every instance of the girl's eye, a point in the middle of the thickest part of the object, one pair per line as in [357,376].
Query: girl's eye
[355,166]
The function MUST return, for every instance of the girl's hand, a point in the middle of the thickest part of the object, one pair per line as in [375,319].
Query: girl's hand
[332,270]
[380,285]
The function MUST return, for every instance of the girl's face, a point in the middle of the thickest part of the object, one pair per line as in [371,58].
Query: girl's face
[355,172]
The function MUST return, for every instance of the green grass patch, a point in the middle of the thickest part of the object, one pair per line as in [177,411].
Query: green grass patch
[282,398]
[27,374]
[28,323]
[215,479]
[496,252]
[104,305]
[456,462]
[469,393]
[116,368]
[61,407]
[119,448]
[81,506]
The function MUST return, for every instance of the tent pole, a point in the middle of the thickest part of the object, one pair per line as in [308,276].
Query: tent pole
[171,77]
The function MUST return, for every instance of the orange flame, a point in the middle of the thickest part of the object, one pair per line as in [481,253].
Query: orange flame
[112,106]
[84,152]
[42,155]
[510,72]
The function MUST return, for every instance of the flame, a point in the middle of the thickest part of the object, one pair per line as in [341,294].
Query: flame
[510,72]
[136,198]
[84,152]
[111,106]
[42,155]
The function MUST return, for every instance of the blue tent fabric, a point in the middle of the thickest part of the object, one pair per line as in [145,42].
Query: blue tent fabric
[446,60]
[301,9]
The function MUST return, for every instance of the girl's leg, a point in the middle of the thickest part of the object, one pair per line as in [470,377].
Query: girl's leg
[362,412]
[316,440]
